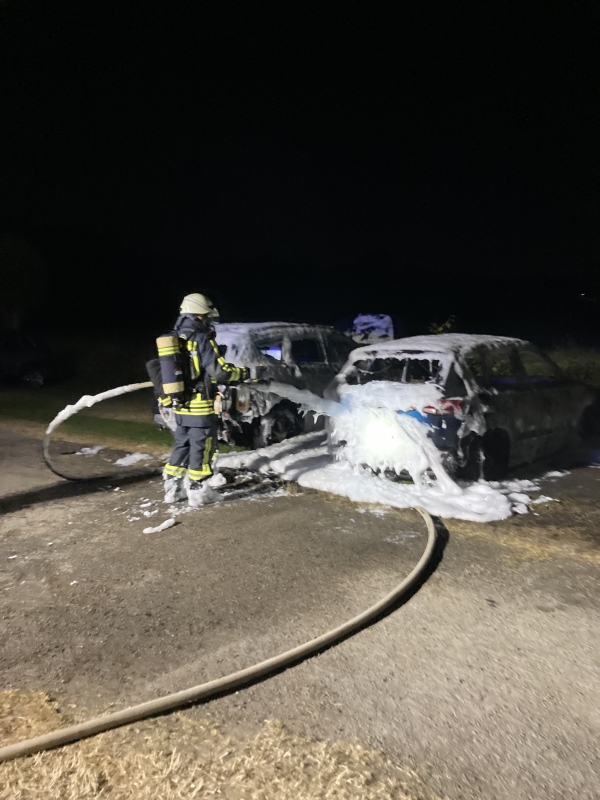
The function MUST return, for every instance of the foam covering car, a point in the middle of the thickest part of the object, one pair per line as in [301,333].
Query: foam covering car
[488,402]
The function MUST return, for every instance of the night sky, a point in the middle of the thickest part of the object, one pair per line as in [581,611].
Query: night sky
[305,161]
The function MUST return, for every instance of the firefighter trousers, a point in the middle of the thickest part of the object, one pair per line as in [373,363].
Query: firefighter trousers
[194,452]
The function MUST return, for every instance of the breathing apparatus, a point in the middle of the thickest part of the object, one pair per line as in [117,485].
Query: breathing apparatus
[174,368]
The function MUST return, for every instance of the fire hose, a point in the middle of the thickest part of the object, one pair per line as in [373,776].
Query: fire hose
[211,689]
[84,402]
[235,680]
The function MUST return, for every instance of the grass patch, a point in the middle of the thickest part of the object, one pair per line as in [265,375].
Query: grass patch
[175,757]
[145,434]
[42,406]
[124,421]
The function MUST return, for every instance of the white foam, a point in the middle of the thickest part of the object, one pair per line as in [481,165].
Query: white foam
[132,458]
[381,439]
[168,523]
[306,460]
[478,502]
[90,451]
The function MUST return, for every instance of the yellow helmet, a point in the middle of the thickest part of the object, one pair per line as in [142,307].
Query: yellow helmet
[199,304]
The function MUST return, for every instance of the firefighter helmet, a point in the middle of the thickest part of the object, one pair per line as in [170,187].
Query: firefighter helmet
[199,304]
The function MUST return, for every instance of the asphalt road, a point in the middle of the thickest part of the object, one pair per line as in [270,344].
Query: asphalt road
[486,682]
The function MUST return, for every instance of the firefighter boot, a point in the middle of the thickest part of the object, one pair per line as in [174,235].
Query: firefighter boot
[174,489]
[201,494]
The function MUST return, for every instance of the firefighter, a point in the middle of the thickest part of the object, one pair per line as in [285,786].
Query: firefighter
[196,432]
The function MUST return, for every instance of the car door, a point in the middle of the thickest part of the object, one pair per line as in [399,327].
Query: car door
[309,357]
[505,400]
[275,350]
[555,404]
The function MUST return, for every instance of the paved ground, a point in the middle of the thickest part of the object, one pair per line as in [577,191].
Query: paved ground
[486,681]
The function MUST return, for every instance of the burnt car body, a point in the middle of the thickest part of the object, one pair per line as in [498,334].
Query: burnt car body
[499,402]
[23,359]
[304,356]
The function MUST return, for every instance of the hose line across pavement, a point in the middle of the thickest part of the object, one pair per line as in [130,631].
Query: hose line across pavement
[206,691]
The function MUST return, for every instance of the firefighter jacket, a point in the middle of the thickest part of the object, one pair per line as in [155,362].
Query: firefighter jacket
[207,369]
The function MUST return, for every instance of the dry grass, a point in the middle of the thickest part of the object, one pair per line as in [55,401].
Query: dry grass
[525,542]
[175,757]
[294,489]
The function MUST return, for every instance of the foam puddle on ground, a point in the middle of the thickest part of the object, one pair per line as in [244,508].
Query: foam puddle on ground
[306,461]
[401,443]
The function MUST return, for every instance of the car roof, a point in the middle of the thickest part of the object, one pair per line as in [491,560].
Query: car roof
[241,333]
[244,328]
[241,337]
[448,344]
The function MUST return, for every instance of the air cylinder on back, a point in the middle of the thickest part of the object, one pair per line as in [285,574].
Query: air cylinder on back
[171,366]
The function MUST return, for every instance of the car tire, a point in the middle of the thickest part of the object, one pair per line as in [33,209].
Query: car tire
[279,424]
[495,455]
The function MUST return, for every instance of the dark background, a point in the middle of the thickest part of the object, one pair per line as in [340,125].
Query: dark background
[301,161]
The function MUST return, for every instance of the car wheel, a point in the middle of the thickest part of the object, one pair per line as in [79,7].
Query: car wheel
[33,378]
[279,424]
[495,452]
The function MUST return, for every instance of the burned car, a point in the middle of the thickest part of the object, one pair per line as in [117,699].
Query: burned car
[304,356]
[488,402]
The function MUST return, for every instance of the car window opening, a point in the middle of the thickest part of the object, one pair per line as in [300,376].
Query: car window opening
[271,350]
[539,370]
[397,370]
[502,373]
[306,351]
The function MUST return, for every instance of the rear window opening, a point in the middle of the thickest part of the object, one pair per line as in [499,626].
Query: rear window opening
[398,370]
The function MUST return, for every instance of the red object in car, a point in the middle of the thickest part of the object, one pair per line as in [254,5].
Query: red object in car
[446,405]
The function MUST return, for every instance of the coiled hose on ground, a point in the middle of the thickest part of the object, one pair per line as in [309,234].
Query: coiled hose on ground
[87,401]
[205,691]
